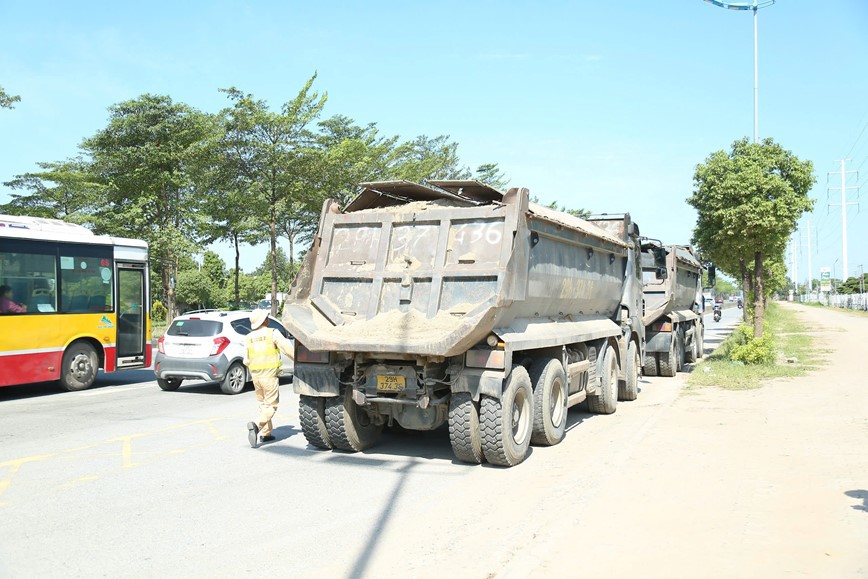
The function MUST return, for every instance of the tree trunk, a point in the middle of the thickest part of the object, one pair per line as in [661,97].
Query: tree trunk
[237,262]
[758,299]
[166,279]
[273,231]
[745,284]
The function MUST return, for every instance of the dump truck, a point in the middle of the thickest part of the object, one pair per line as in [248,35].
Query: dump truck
[674,327]
[450,301]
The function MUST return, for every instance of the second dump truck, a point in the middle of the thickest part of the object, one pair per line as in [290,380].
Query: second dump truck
[674,327]
[450,301]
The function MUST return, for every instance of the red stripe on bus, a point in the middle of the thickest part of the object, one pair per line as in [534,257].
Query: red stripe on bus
[27,368]
[110,359]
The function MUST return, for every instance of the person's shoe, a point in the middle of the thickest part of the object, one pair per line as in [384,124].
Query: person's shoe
[266,438]
[252,432]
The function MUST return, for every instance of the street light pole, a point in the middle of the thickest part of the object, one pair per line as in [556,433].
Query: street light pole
[755,6]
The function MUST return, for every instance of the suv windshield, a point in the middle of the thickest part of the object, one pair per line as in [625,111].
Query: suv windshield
[195,328]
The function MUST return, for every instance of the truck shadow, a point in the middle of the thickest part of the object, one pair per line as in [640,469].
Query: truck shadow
[861,495]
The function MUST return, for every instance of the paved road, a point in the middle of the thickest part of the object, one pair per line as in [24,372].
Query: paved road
[128,480]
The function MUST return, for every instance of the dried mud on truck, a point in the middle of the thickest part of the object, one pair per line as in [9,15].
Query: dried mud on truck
[453,302]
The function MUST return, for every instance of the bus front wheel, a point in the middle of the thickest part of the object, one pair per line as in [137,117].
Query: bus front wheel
[79,366]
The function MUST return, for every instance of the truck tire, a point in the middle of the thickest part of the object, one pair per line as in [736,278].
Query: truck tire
[650,367]
[507,422]
[311,413]
[668,362]
[349,427]
[629,388]
[690,353]
[235,379]
[169,384]
[607,400]
[549,402]
[464,430]
[78,367]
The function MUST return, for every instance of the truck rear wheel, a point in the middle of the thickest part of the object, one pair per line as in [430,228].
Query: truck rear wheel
[311,413]
[629,388]
[690,353]
[349,427]
[507,423]
[668,363]
[607,400]
[464,431]
[650,367]
[549,402]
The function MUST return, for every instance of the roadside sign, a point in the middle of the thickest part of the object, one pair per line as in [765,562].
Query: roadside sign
[825,279]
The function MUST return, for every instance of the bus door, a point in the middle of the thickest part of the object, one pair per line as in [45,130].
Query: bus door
[132,323]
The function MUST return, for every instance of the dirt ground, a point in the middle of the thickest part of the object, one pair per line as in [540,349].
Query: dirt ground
[771,482]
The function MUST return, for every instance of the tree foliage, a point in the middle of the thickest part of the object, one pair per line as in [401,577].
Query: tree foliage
[64,190]
[271,152]
[149,160]
[748,202]
[8,101]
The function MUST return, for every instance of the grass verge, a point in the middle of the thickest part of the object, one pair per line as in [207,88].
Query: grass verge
[795,348]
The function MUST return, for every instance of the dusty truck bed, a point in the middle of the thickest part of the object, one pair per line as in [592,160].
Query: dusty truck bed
[433,269]
[674,296]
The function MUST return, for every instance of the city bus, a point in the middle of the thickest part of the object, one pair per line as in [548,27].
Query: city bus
[72,302]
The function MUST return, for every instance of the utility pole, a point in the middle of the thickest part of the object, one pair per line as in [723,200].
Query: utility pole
[843,205]
[810,269]
[794,260]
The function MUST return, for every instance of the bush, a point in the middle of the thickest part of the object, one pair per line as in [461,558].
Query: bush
[158,312]
[754,351]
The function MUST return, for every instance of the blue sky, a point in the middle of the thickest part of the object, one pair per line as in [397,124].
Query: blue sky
[606,106]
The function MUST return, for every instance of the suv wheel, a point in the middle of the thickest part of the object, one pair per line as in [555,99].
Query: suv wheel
[235,379]
[170,384]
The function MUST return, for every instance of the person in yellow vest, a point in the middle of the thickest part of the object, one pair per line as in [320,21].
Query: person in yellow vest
[264,345]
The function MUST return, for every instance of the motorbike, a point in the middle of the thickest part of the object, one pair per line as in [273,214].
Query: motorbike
[717,313]
[740,304]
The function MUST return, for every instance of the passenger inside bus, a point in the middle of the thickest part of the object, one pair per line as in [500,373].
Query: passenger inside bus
[7,304]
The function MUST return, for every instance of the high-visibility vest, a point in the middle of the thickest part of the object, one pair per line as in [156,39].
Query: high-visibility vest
[262,354]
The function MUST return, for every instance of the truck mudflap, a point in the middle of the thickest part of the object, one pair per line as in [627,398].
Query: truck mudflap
[315,380]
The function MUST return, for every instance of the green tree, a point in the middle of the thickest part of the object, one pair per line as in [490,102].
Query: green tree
[426,158]
[491,174]
[748,202]
[193,289]
[64,190]
[150,160]
[853,285]
[270,151]
[7,101]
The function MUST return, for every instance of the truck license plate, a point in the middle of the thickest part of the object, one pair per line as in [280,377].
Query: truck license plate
[391,383]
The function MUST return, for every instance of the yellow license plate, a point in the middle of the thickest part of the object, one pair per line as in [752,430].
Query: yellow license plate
[391,383]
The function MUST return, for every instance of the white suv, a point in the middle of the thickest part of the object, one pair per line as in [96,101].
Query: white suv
[209,345]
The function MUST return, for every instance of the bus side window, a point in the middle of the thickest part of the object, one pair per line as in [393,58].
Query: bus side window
[32,279]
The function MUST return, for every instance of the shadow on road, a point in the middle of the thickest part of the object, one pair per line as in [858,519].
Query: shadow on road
[862,495]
